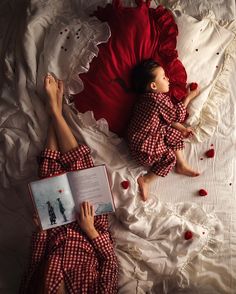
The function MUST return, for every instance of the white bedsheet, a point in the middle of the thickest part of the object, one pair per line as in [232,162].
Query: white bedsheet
[153,254]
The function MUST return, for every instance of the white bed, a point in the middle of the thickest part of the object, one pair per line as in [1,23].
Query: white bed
[153,254]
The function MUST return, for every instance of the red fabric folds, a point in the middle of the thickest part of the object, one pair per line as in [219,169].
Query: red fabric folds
[136,33]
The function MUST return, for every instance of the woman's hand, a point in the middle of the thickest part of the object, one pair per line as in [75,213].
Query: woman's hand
[86,220]
[36,222]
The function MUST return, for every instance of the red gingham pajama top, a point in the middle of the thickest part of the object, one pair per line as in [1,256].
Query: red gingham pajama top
[86,266]
[151,138]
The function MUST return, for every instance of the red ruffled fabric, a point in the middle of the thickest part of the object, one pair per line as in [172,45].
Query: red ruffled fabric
[137,33]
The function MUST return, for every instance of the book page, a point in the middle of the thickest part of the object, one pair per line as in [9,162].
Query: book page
[92,185]
[53,201]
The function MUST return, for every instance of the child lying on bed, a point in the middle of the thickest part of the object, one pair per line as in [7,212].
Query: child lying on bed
[77,257]
[155,133]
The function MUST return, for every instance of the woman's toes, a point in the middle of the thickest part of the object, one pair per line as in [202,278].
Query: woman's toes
[50,79]
[47,80]
[60,85]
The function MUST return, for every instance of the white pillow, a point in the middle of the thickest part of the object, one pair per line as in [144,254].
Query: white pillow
[202,46]
[69,47]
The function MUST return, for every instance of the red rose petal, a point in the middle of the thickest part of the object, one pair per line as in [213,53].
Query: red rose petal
[210,153]
[202,192]
[125,184]
[193,86]
[188,235]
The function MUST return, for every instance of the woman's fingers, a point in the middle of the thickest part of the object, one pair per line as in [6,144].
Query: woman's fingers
[86,209]
[82,210]
[91,210]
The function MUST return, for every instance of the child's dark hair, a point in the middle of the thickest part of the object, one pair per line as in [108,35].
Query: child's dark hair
[142,75]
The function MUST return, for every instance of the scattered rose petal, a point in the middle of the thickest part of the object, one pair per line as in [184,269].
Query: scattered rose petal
[202,192]
[212,145]
[125,184]
[193,86]
[188,235]
[201,158]
[210,153]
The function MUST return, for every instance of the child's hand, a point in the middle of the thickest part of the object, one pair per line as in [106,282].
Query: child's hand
[194,90]
[86,220]
[187,133]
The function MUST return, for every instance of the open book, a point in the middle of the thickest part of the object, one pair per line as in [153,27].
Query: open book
[57,198]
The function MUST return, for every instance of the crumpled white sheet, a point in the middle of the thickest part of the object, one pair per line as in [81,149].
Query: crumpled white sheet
[23,124]
[22,118]
[150,241]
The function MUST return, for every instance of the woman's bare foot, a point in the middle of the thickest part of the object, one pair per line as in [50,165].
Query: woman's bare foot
[60,92]
[185,169]
[144,183]
[51,88]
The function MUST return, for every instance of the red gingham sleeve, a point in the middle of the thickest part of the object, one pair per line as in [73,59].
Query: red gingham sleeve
[170,112]
[77,158]
[38,247]
[49,163]
[181,112]
[108,281]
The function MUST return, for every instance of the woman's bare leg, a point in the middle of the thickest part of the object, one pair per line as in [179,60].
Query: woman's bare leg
[51,142]
[62,288]
[65,137]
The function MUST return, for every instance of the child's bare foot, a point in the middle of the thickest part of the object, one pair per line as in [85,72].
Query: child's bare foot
[188,132]
[144,183]
[144,188]
[185,169]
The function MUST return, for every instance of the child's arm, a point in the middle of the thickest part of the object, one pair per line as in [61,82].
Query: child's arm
[191,95]
[186,131]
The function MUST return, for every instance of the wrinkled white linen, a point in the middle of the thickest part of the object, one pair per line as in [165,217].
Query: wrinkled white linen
[22,119]
[150,241]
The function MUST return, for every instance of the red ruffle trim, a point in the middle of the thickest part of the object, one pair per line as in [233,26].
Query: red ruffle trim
[136,33]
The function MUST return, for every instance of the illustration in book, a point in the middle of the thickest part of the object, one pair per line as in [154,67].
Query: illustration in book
[57,198]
